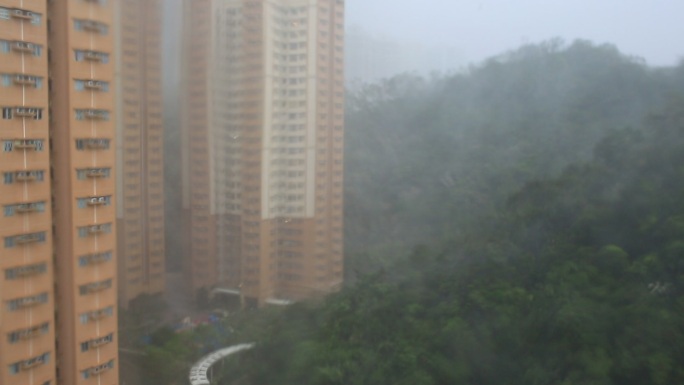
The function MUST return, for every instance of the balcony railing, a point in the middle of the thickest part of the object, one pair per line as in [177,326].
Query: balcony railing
[27,144]
[94,287]
[25,80]
[97,201]
[96,173]
[28,238]
[93,84]
[23,46]
[25,176]
[30,332]
[97,342]
[22,14]
[99,314]
[27,271]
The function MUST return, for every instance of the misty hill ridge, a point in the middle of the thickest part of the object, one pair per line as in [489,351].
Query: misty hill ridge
[471,139]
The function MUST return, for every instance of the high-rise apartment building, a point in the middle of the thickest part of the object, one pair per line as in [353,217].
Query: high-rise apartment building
[262,146]
[81,42]
[58,268]
[27,298]
[140,185]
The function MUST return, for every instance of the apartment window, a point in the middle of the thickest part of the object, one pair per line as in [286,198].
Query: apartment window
[6,14]
[88,84]
[91,26]
[23,144]
[94,201]
[30,363]
[24,112]
[91,259]
[93,287]
[92,143]
[24,176]
[26,80]
[96,370]
[82,114]
[22,334]
[38,237]
[24,271]
[96,314]
[82,55]
[27,301]
[96,342]
[85,173]
[7,46]
[85,231]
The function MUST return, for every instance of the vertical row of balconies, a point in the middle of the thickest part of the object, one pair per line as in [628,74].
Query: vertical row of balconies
[93,189]
[24,167]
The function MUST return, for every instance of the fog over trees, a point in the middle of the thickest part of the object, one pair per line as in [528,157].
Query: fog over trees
[517,222]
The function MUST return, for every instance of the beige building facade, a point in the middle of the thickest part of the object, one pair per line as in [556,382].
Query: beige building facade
[27,299]
[58,282]
[139,138]
[262,147]
[82,98]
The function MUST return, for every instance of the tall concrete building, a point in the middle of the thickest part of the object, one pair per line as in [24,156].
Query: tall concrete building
[83,187]
[27,298]
[262,147]
[140,165]
[58,269]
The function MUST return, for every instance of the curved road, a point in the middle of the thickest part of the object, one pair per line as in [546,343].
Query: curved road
[198,372]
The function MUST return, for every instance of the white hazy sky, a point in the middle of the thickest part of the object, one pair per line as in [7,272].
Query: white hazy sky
[651,29]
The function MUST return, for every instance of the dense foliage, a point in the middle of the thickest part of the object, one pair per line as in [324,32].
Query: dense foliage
[548,186]
[424,158]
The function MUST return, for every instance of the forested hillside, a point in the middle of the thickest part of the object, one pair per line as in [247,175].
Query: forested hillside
[426,157]
[540,201]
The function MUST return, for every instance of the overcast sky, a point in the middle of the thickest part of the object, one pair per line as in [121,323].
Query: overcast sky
[651,29]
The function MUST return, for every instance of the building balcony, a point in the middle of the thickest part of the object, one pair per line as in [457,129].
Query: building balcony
[93,26]
[25,239]
[27,144]
[94,287]
[93,143]
[22,46]
[99,369]
[22,14]
[26,112]
[27,208]
[28,302]
[25,80]
[93,259]
[25,176]
[94,56]
[96,173]
[28,271]
[95,85]
[97,342]
[95,114]
[97,201]
[96,229]
[27,334]
[99,314]
[33,362]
